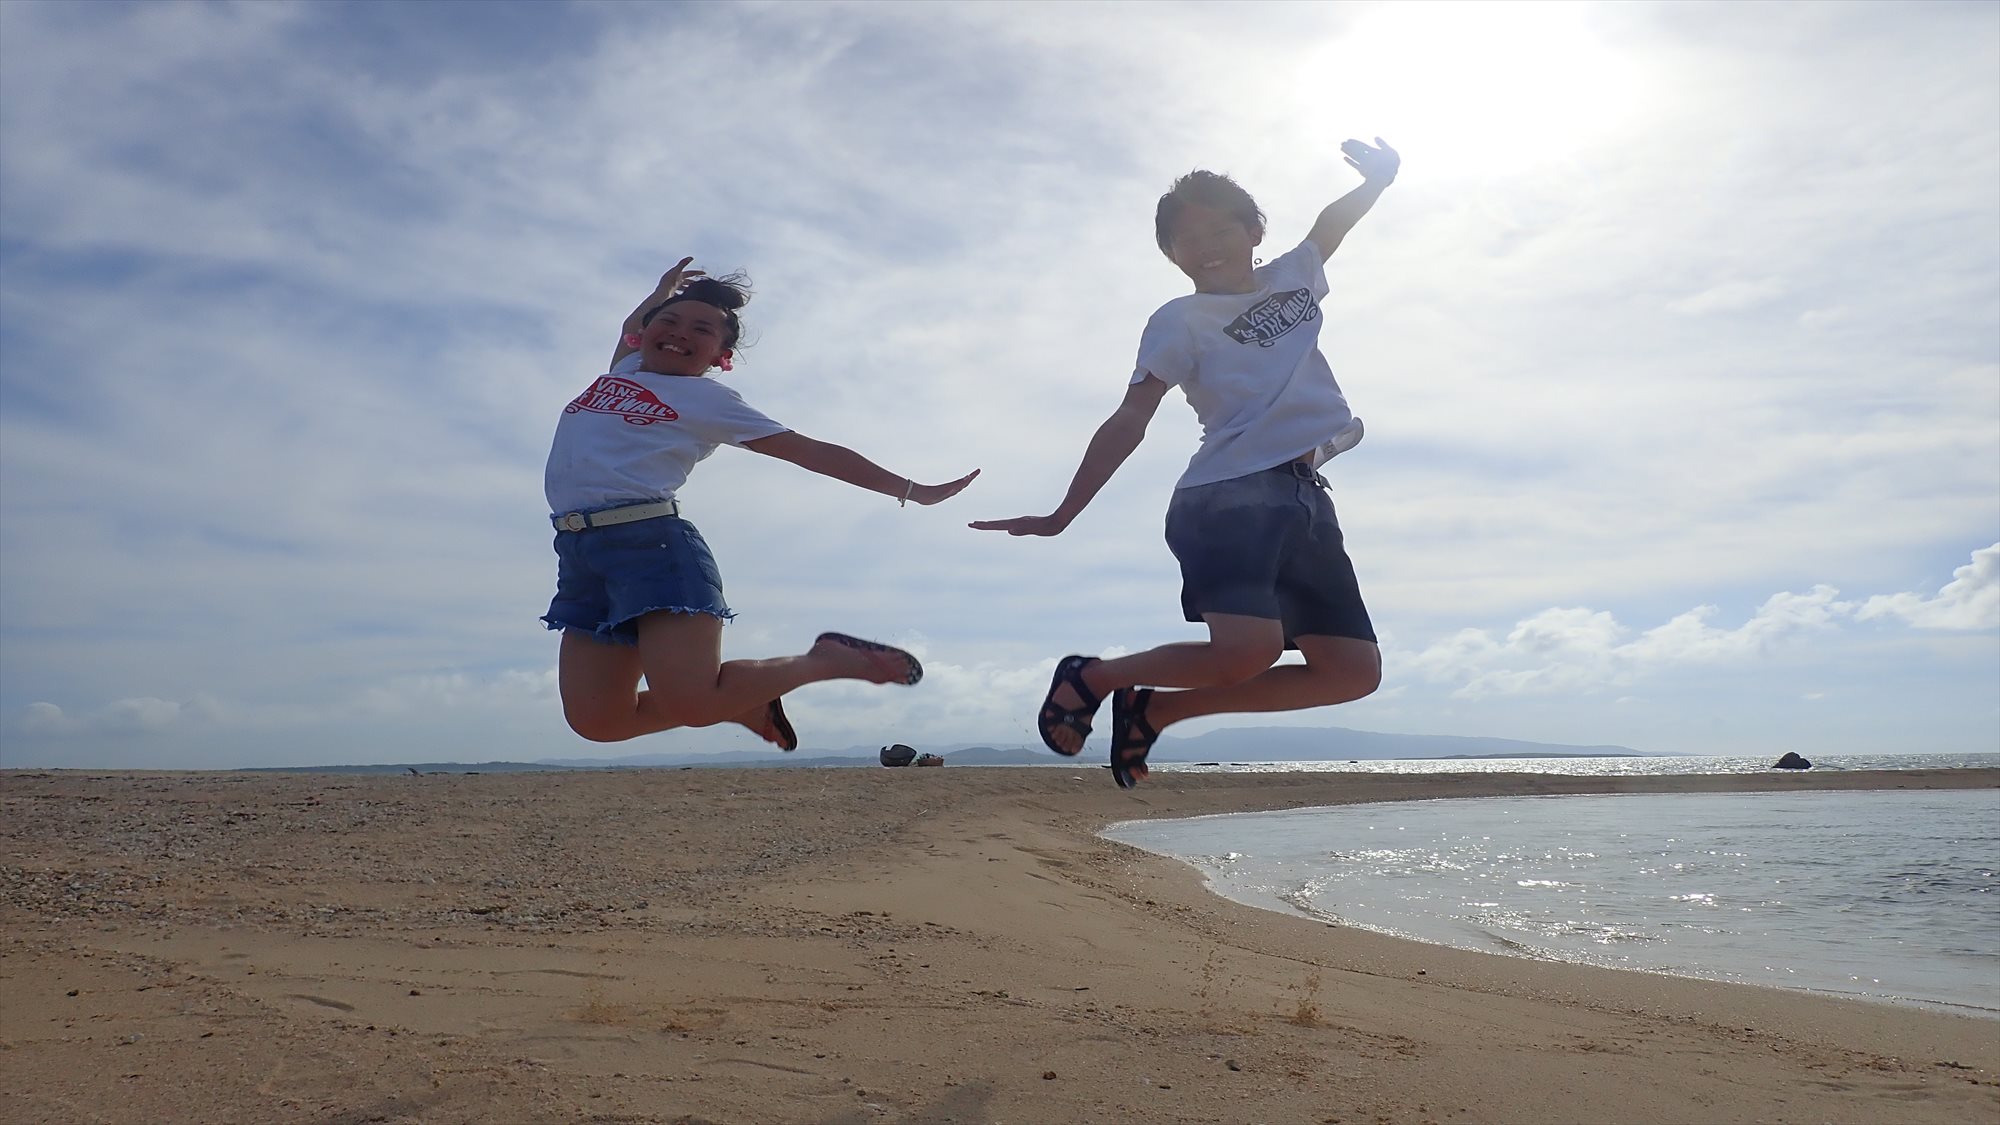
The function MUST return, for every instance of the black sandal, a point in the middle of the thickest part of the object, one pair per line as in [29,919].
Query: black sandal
[1132,737]
[788,739]
[912,671]
[1054,716]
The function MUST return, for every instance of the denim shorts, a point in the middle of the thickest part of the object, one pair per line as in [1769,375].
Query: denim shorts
[1267,545]
[609,577]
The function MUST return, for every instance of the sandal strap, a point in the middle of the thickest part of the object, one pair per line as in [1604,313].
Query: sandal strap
[1136,734]
[1054,715]
[1140,702]
[1072,677]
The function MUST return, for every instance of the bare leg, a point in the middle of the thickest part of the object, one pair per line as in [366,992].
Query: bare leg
[1237,649]
[1337,670]
[687,684]
[603,701]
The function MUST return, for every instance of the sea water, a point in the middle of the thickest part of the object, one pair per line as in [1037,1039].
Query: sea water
[1886,895]
[1626,765]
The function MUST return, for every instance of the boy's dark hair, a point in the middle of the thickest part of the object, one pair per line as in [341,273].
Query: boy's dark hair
[1206,189]
[729,292]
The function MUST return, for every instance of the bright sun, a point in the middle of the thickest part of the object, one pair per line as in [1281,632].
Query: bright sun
[1485,87]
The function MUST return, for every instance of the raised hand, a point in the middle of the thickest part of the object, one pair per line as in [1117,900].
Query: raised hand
[1377,164]
[1023,525]
[676,279]
[928,494]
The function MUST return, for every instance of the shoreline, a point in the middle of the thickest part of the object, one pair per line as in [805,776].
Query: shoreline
[1243,865]
[889,945]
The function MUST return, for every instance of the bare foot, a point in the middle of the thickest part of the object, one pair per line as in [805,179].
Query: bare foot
[856,659]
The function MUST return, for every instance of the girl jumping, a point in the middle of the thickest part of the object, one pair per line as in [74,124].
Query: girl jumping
[638,594]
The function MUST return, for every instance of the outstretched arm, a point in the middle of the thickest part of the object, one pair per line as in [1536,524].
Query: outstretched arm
[1113,442]
[1377,165]
[670,284]
[843,464]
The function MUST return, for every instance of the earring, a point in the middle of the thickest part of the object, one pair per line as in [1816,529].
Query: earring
[631,339]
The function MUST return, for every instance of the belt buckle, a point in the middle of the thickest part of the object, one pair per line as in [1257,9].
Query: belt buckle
[574,521]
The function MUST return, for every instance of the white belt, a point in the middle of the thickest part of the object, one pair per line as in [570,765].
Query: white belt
[577,521]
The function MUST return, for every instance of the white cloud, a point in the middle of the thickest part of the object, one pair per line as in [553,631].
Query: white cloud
[458,690]
[1582,651]
[1828,318]
[1729,296]
[364,293]
[44,719]
[119,717]
[1971,600]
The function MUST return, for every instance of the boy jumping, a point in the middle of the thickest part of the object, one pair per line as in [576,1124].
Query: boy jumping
[1261,555]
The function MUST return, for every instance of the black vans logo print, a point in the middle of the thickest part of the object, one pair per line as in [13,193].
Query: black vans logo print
[1272,317]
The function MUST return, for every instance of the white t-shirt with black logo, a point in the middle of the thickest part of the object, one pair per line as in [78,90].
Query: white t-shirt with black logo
[1251,367]
[633,436]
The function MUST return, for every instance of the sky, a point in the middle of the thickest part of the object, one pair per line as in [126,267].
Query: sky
[1677,342]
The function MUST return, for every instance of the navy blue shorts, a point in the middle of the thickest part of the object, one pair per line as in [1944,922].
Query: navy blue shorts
[1267,545]
[609,577]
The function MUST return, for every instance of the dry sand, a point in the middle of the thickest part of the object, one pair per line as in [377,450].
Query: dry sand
[847,945]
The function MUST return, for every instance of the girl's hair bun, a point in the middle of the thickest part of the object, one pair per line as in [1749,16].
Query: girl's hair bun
[730,291]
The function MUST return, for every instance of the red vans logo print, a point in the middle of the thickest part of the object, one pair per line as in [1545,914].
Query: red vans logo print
[623,397]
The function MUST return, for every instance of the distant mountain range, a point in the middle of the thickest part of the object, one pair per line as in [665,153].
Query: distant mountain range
[1231,744]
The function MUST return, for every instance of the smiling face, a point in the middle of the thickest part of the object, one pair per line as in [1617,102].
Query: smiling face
[684,338]
[1213,247]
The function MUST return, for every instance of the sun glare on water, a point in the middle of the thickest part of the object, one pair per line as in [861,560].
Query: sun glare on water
[1484,88]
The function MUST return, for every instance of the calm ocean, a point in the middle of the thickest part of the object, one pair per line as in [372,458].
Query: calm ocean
[1889,895]
[1595,767]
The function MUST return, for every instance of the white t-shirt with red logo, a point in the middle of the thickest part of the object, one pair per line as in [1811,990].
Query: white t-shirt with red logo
[1251,367]
[633,436]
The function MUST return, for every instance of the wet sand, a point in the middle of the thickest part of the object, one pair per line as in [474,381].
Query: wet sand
[852,945]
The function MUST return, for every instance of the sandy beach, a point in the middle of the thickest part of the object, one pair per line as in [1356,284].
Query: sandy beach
[852,945]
